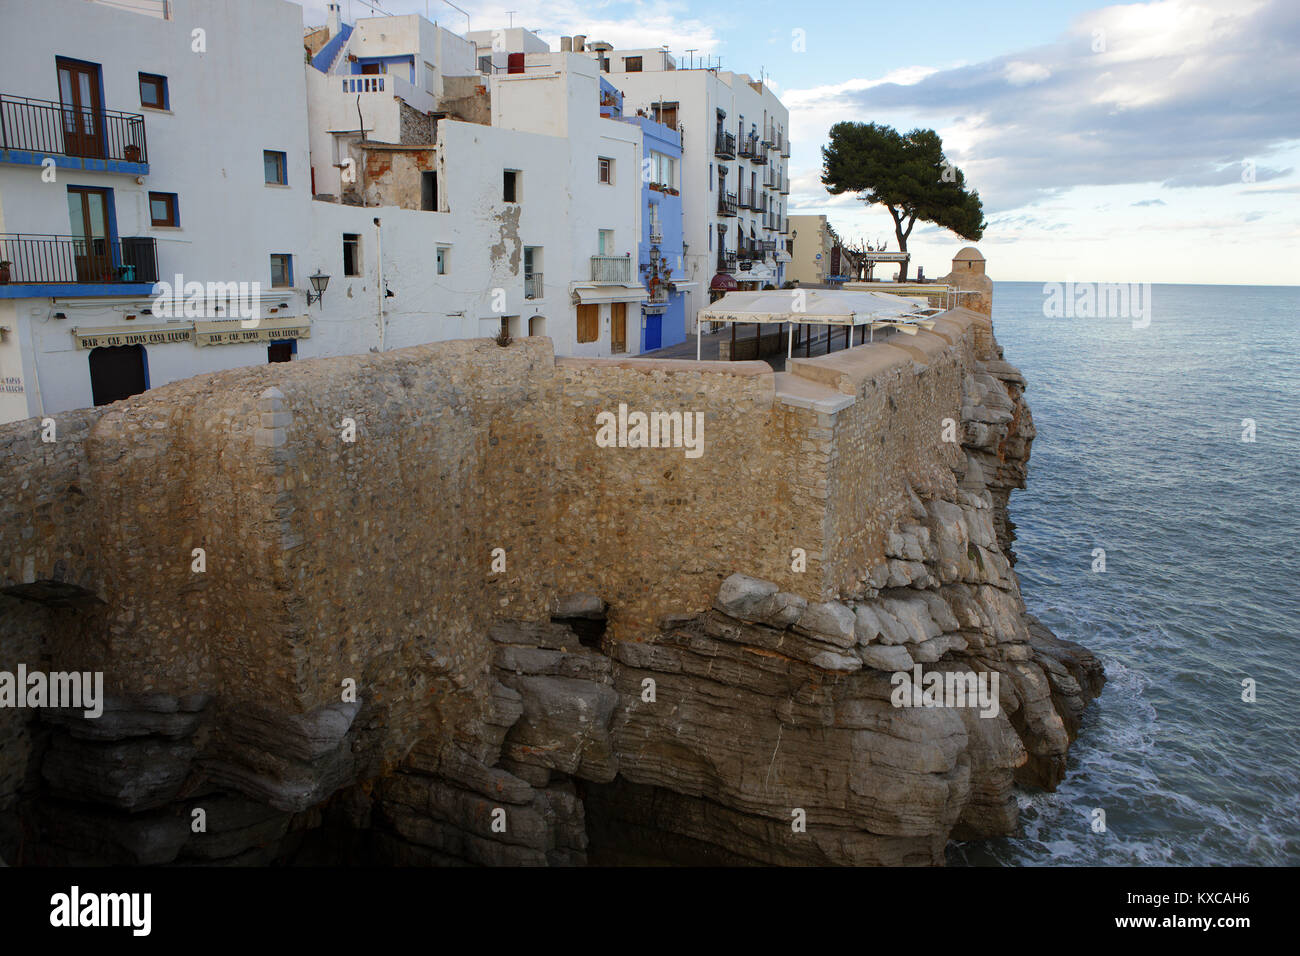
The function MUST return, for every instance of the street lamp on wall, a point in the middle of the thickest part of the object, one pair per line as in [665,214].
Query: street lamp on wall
[319,282]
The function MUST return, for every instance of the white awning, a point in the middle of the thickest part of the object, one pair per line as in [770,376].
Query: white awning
[593,294]
[812,306]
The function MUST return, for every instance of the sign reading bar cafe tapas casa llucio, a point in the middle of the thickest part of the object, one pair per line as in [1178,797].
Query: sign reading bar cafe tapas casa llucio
[218,332]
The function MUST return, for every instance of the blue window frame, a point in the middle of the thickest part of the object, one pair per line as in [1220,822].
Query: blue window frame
[276,167]
[153,92]
[281,270]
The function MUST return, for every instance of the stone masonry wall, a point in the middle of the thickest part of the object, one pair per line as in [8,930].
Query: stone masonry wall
[370,560]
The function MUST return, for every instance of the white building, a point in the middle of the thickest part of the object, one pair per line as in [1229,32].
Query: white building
[141,141]
[735,158]
[188,138]
[515,204]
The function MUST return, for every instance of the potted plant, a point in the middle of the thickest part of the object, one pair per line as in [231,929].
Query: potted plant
[132,152]
[4,271]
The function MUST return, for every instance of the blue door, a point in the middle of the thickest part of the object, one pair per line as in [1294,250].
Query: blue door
[653,334]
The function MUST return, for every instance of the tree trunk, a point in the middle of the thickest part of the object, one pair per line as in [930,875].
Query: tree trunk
[901,234]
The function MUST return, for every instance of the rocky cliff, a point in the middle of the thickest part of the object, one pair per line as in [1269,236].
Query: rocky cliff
[651,680]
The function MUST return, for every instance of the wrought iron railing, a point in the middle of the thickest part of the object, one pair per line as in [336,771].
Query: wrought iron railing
[42,126]
[724,145]
[59,260]
[533,285]
[726,204]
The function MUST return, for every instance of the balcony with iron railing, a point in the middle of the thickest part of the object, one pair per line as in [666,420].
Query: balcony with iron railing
[749,148]
[726,204]
[724,145]
[611,269]
[726,261]
[97,140]
[40,265]
[533,288]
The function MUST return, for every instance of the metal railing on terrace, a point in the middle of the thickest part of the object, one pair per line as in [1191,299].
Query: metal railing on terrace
[726,204]
[611,269]
[68,260]
[43,126]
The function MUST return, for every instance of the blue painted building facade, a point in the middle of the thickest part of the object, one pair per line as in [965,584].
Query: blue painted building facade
[659,250]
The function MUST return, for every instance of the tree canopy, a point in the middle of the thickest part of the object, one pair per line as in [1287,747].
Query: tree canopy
[906,173]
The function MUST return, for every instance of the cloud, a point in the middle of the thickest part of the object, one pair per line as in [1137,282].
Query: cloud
[1022,74]
[1224,175]
[1179,92]
[1150,202]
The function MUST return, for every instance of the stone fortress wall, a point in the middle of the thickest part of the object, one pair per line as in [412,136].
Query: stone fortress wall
[328,560]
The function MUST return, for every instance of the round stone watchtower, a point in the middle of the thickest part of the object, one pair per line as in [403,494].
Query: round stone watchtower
[974,288]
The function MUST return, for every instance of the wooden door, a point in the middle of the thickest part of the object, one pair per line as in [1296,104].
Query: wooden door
[91,250]
[618,327]
[83,120]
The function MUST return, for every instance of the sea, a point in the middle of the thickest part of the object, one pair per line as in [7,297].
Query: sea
[1169,445]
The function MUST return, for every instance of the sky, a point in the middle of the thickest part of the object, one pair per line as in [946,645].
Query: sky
[1136,142]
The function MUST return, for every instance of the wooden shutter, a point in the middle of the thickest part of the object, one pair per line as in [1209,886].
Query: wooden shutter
[588,323]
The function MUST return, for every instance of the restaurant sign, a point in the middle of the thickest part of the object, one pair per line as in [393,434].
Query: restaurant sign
[220,332]
[235,332]
[134,334]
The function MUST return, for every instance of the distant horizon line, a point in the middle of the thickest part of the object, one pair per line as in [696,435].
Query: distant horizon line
[1239,285]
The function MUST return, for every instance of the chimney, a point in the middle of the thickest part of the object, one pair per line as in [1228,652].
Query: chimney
[333,22]
[579,42]
[566,44]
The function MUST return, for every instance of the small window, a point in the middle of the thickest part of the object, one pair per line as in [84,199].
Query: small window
[351,254]
[281,270]
[274,164]
[153,91]
[429,190]
[605,242]
[606,170]
[444,257]
[162,209]
[631,64]
[510,191]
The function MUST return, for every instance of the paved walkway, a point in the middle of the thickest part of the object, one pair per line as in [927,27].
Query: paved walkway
[709,350]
